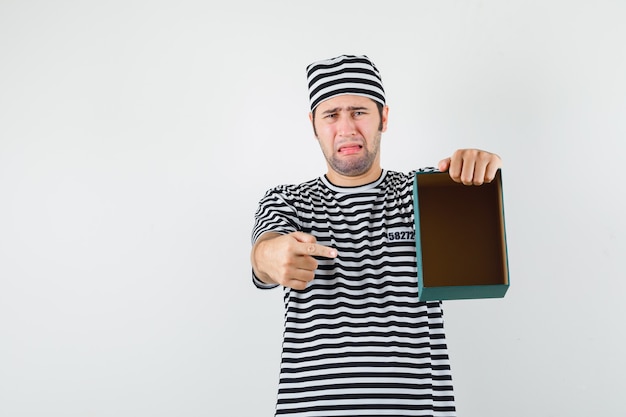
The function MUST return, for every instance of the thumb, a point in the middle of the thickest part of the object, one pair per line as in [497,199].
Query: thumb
[444,164]
[304,237]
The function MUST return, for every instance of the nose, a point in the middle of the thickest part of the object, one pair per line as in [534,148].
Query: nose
[346,127]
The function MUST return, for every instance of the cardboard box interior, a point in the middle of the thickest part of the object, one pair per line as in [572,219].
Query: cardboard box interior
[462,232]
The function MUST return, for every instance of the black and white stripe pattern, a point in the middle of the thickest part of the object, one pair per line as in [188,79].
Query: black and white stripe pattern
[356,341]
[345,74]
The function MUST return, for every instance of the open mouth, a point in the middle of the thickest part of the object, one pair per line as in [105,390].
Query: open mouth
[350,149]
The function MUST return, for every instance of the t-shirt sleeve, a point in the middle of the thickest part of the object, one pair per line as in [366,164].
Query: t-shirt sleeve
[260,284]
[423,169]
[276,213]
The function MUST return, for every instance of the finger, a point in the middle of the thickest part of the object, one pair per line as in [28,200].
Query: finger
[304,267]
[312,248]
[444,164]
[467,171]
[490,173]
[480,168]
[295,284]
[492,169]
[300,278]
[315,249]
[305,275]
[456,164]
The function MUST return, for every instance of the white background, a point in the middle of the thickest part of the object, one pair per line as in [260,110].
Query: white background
[136,138]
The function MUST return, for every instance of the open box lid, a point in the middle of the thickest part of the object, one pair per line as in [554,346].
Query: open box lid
[460,238]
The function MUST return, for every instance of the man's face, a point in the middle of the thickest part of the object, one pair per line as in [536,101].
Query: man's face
[348,132]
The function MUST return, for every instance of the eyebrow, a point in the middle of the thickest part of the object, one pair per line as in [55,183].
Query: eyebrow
[349,108]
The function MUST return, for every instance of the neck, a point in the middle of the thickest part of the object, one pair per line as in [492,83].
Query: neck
[354,181]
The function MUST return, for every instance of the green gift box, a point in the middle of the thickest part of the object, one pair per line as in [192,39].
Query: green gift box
[460,238]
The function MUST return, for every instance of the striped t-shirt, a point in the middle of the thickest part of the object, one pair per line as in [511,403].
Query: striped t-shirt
[356,341]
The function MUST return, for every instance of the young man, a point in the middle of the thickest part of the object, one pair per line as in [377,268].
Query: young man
[356,340]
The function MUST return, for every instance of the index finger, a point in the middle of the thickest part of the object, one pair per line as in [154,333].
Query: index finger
[315,249]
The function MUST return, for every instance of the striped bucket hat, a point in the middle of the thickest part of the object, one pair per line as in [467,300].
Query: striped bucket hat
[345,74]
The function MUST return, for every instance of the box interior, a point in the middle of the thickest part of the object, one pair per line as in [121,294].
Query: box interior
[462,232]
